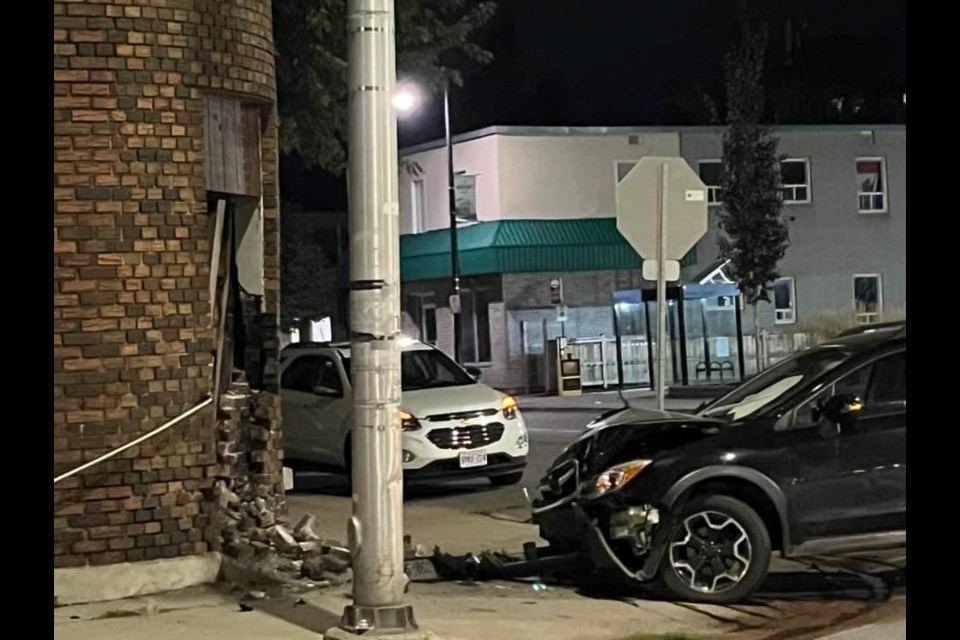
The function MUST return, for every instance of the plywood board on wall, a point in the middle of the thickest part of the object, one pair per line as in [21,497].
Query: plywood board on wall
[231,146]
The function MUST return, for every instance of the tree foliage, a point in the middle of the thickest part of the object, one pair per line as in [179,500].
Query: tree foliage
[309,276]
[310,40]
[753,235]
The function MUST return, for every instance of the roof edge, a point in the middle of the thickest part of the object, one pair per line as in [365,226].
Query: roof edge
[533,130]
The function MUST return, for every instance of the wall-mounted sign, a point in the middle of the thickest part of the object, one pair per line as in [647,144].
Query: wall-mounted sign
[465,190]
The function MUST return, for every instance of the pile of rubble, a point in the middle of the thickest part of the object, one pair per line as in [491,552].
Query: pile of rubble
[249,525]
[271,551]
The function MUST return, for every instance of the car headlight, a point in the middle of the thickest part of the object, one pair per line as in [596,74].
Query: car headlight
[408,422]
[508,405]
[615,478]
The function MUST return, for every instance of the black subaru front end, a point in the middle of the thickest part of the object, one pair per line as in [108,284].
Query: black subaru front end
[605,494]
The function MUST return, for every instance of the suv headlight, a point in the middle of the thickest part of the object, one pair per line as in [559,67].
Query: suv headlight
[508,405]
[408,422]
[617,477]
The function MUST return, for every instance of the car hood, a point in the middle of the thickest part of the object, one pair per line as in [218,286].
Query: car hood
[630,434]
[469,397]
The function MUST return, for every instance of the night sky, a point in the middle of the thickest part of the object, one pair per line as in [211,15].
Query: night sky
[642,62]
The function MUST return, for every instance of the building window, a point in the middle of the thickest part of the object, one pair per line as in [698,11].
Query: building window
[867,297]
[475,316]
[795,178]
[709,171]
[785,301]
[417,206]
[871,185]
[428,323]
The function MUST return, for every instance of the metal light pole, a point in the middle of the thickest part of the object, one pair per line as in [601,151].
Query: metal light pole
[376,528]
[454,244]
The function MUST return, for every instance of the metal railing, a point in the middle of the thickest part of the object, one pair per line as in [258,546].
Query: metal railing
[110,454]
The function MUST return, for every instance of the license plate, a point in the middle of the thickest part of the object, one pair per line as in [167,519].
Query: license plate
[468,460]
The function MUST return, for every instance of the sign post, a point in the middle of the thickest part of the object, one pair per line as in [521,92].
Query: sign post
[662,213]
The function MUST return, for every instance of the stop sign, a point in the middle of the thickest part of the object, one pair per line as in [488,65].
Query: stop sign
[638,207]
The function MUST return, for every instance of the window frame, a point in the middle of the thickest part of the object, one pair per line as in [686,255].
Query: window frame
[475,328]
[713,191]
[424,306]
[865,316]
[883,185]
[793,301]
[806,185]
[418,214]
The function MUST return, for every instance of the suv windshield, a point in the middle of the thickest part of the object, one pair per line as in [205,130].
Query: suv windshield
[773,383]
[427,369]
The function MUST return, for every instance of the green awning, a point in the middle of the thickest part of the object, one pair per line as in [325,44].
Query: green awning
[516,246]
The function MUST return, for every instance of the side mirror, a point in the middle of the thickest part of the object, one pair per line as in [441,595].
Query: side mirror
[841,411]
[327,392]
[474,372]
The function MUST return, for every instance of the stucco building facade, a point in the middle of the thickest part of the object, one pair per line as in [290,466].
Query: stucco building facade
[541,206]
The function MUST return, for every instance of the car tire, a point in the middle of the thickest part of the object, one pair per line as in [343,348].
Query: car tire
[718,553]
[507,480]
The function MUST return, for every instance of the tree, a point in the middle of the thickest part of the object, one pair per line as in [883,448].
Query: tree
[753,235]
[310,41]
[309,276]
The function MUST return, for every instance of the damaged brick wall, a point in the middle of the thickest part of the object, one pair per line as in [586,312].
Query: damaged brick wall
[248,499]
[132,317]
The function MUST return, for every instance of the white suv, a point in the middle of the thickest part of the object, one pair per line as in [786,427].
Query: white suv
[453,426]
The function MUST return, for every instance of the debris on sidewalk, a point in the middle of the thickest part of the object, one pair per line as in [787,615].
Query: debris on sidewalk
[304,532]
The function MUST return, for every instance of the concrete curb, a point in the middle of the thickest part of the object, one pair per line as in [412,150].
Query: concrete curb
[79,585]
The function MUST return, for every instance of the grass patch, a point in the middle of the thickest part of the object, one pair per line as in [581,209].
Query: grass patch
[830,323]
[110,615]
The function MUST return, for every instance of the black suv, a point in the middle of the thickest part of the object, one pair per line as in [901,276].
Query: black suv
[809,457]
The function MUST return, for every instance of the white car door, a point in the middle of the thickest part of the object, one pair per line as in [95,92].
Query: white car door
[297,382]
[329,412]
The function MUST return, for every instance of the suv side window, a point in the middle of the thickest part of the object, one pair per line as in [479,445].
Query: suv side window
[302,374]
[888,384]
[877,383]
[853,383]
[329,379]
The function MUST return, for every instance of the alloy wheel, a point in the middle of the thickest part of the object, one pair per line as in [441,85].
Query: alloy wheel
[710,552]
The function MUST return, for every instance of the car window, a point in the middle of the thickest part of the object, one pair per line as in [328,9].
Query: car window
[875,382]
[853,383]
[888,382]
[771,385]
[427,369]
[302,374]
[329,378]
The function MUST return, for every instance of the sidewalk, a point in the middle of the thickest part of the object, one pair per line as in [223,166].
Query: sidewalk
[600,401]
[448,611]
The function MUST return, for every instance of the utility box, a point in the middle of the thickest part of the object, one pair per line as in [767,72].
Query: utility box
[565,369]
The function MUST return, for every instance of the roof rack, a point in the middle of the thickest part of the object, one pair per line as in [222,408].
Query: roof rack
[879,326]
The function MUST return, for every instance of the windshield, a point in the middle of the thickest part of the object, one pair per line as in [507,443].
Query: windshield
[427,369]
[772,384]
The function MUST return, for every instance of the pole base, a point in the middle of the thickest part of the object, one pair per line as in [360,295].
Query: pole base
[374,622]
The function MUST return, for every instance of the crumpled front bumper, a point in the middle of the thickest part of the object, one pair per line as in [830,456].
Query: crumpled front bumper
[568,527]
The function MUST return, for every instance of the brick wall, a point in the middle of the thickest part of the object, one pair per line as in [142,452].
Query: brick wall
[132,335]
